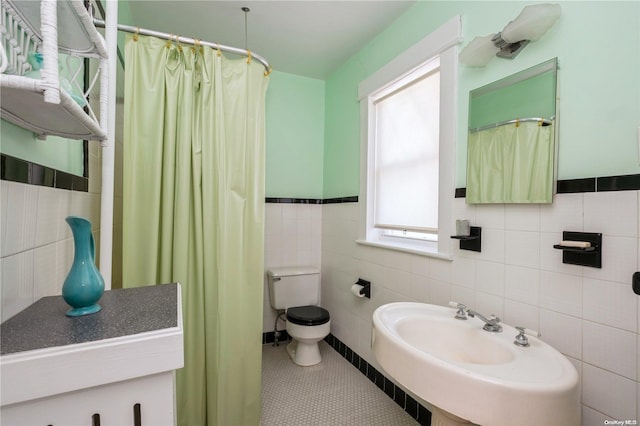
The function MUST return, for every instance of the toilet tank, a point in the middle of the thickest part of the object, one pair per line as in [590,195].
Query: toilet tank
[293,286]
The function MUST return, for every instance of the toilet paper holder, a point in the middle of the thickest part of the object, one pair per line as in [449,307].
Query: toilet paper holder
[366,287]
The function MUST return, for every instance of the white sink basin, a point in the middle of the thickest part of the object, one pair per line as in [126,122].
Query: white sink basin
[474,374]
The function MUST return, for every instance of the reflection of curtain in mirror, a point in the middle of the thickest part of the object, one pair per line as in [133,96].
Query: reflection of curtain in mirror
[511,164]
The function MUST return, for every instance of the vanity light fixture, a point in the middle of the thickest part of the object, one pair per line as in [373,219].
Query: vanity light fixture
[529,25]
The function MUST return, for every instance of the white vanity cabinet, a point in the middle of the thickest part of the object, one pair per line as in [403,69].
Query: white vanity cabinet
[113,368]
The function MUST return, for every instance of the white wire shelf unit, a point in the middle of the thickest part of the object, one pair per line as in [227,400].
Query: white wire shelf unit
[64,34]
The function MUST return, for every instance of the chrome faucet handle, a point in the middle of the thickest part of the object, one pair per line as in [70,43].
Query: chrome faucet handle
[493,324]
[521,339]
[493,320]
[462,313]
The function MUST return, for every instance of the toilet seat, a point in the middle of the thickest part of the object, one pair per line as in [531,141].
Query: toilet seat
[308,315]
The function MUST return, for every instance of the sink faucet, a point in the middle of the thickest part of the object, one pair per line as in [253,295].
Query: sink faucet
[461,314]
[491,324]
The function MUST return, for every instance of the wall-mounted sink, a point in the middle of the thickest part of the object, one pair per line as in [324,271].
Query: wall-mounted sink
[474,374]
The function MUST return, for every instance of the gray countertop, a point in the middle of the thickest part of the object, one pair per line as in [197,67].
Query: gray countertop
[124,312]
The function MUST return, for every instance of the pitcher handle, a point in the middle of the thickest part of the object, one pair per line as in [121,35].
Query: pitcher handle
[92,247]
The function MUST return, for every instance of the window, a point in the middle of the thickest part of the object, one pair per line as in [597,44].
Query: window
[408,145]
[405,158]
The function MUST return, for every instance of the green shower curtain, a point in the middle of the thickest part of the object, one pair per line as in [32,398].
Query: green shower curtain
[511,164]
[193,213]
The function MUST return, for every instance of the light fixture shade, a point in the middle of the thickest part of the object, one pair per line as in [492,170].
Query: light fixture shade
[531,23]
[478,52]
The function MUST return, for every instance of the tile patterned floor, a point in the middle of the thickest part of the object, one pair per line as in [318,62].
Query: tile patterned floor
[328,394]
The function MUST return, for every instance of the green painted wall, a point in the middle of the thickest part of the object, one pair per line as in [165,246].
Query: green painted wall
[599,88]
[294,136]
[58,153]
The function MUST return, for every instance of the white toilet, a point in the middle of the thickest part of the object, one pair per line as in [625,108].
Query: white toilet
[297,290]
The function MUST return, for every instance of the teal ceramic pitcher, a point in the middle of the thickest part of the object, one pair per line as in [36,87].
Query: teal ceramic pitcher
[84,284]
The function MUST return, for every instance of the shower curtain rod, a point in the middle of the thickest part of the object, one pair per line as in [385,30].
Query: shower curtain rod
[187,40]
[543,121]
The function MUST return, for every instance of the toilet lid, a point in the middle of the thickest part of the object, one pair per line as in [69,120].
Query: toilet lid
[308,315]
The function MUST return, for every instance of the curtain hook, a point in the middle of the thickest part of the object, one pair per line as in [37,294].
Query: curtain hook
[218,49]
[268,72]
[517,122]
[248,56]
[170,41]
[178,43]
[135,35]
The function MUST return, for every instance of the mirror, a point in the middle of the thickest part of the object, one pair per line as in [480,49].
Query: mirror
[512,138]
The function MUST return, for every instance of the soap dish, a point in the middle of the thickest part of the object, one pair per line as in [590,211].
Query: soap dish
[465,237]
[574,254]
[576,249]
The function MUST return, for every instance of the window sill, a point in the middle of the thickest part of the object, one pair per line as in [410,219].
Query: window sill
[407,248]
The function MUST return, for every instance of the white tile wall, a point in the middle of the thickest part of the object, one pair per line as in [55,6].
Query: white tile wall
[610,303]
[563,332]
[36,245]
[590,315]
[522,284]
[561,292]
[606,392]
[598,343]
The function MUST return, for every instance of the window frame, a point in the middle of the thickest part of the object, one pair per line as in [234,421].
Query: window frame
[442,42]
[421,73]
